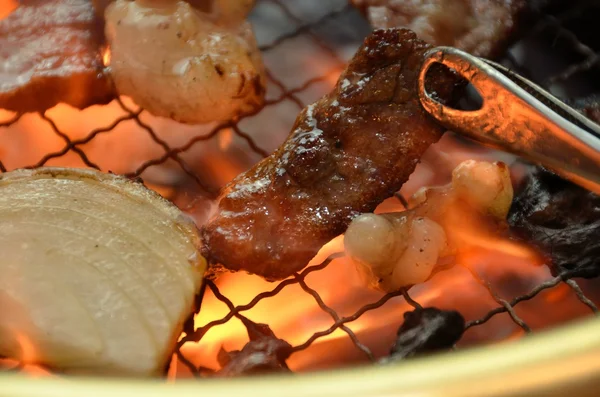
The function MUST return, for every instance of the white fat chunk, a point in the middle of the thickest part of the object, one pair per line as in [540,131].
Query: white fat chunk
[179,62]
[400,249]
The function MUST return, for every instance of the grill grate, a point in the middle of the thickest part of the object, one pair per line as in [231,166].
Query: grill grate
[333,30]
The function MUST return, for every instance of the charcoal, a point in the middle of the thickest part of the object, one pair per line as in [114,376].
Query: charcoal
[562,220]
[264,353]
[426,330]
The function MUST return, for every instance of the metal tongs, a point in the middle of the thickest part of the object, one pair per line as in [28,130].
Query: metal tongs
[519,117]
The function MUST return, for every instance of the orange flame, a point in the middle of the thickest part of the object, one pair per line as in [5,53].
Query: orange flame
[28,354]
[7,7]
[292,313]
[225,139]
[106,56]
[472,233]
[28,358]
[341,288]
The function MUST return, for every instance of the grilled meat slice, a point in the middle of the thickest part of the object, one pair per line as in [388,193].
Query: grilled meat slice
[50,52]
[560,218]
[480,27]
[346,153]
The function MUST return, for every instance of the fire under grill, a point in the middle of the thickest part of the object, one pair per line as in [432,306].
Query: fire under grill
[322,312]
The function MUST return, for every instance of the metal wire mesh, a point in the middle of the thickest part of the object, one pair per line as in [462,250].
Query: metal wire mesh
[328,33]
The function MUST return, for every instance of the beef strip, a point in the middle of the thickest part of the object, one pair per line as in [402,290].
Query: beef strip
[50,52]
[346,153]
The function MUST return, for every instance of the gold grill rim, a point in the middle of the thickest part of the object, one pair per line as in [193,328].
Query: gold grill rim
[561,361]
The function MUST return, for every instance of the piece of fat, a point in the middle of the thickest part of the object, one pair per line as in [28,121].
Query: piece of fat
[178,62]
[98,273]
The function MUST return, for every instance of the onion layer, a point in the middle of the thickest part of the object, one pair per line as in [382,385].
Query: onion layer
[98,272]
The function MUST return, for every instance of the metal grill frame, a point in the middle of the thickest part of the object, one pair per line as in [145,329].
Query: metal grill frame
[548,25]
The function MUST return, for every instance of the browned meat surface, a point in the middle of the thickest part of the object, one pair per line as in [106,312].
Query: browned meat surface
[50,53]
[480,27]
[346,153]
[562,220]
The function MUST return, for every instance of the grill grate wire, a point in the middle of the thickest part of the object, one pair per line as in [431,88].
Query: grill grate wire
[553,27]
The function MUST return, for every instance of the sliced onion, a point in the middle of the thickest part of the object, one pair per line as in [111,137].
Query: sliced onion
[98,272]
